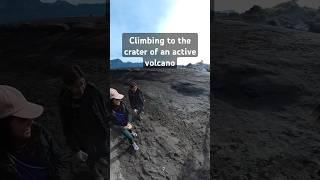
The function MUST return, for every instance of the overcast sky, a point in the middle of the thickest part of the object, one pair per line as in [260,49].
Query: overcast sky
[160,16]
[243,5]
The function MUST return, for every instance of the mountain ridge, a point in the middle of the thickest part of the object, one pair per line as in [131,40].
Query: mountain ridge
[14,11]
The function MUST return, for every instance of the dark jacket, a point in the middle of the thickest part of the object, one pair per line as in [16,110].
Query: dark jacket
[136,99]
[42,147]
[84,120]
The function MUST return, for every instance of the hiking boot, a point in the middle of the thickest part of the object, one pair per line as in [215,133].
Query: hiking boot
[134,134]
[135,146]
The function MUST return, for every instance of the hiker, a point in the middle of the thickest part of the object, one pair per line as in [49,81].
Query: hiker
[84,117]
[27,150]
[136,100]
[122,117]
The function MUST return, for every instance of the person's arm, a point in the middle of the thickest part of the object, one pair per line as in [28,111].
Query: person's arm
[127,112]
[101,110]
[131,99]
[66,118]
[141,97]
[60,160]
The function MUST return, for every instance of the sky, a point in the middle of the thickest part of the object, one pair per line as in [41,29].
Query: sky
[160,16]
[243,5]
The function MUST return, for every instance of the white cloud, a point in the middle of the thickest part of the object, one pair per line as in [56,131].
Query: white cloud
[190,16]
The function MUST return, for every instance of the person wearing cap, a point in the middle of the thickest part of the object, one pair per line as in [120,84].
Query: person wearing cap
[84,116]
[136,99]
[122,117]
[27,150]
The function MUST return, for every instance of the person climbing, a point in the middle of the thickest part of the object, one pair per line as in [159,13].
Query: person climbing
[136,99]
[84,116]
[122,117]
[28,151]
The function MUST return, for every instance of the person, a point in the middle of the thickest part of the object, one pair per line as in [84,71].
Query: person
[136,99]
[121,120]
[27,149]
[84,116]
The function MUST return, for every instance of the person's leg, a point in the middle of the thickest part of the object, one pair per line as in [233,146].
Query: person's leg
[127,135]
[133,133]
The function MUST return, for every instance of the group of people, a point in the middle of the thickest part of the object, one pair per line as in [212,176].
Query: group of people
[28,151]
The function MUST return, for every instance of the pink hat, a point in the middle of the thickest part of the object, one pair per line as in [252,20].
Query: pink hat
[13,103]
[115,95]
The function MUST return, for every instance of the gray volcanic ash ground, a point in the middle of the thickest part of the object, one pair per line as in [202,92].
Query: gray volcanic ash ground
[266,86]
[174,137]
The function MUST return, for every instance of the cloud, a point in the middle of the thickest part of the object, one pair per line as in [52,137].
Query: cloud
[191,16]
[128,16]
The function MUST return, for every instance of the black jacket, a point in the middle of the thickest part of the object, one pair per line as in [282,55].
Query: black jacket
[42,147]
[136,99]
[85,121]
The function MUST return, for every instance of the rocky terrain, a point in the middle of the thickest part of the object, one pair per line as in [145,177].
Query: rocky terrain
[174,136]
[266,109]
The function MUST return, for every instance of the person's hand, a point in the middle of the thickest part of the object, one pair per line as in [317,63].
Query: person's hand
[128,126]
[135,111]
[82,156]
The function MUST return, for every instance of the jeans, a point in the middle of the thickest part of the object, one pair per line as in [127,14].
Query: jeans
[127,133]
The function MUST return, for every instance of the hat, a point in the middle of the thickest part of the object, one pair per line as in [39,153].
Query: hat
[13,103]
[115,95]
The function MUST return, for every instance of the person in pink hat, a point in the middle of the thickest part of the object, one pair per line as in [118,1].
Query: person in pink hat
[27,149]
[122,117]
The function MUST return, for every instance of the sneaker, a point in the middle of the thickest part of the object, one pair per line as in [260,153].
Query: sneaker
[135,146]
[134,134]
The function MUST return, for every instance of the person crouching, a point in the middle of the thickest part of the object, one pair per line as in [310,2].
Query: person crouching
[136,99]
